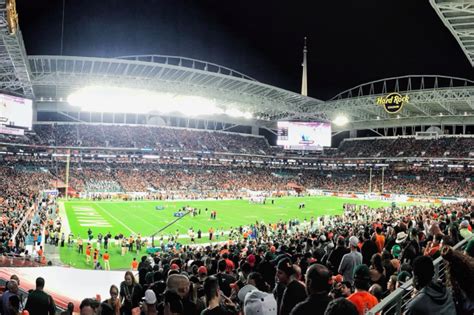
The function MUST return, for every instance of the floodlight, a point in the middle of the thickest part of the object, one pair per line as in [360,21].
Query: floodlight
[125,100]
[340,120]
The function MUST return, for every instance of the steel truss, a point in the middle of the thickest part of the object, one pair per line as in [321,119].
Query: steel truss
[458,17]
[14,68]
[55,77]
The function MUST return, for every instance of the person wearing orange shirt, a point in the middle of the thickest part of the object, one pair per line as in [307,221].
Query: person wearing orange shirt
[379,239]
[134,264]
[96,256]
[40,252]
[106,258]
[361,298]
[88,253]
[211,232]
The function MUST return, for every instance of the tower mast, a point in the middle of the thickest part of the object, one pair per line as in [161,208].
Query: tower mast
[304,81]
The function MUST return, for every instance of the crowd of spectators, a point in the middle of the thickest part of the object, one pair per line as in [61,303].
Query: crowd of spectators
[407,147]
[182,139]
[200,180]
[23,214]
[348,262]
[148,137]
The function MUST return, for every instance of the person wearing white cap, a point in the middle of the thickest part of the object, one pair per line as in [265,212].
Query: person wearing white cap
[259,303]
[351,260]
[149,303]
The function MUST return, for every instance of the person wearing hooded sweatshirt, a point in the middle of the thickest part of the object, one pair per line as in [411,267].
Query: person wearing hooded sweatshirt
[433,297]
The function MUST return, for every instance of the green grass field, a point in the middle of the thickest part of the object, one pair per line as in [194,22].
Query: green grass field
[141,217]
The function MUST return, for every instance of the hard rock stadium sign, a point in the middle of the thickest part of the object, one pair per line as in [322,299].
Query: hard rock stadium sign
[393,102]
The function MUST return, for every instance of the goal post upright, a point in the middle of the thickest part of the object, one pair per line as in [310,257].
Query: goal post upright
[68,158]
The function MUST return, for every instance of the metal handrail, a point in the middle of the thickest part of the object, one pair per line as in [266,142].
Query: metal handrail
[396,297]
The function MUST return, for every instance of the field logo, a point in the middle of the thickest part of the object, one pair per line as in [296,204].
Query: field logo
[393,102]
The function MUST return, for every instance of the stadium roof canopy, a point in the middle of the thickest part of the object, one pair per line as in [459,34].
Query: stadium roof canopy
[433,100]
[458,16]
[55,77]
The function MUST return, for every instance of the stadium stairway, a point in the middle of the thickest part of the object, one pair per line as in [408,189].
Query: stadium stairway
[51,253]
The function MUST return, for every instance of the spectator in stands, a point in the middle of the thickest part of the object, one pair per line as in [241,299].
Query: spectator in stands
[224,278]
[433,297]
[69,310]
[335,257]
[403,277]
[469,250]
[114,301]
[130,293]
[464,229]
[351,260]
[179,286]
[410,246]
[149,303]
[257,302]
[361,298]
[318,283]
[39,302]
[460,269]
[294,290]
[369,249]
[89,307]
[214,299]
[377,271]
[341,306]
[12,290]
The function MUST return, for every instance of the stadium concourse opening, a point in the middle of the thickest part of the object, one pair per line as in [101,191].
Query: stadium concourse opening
[171,184]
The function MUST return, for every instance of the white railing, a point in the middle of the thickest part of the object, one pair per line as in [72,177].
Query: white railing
[397,301]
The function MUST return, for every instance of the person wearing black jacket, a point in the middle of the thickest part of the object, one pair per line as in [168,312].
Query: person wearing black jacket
[318,284]
[334,259]
[433,296]
[294,292]
[368,249]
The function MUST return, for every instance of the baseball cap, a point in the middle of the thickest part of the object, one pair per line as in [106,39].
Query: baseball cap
[353,241]
[337,278]
[202,270]
[243,292]
[251,260]
[403,276]
[150,297]
[174,267]
[396,249]
[260,303]
[361,272]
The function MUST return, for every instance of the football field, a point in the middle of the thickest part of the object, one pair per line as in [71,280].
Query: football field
[133,217]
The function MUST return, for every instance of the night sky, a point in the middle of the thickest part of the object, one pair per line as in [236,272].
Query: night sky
[350,42]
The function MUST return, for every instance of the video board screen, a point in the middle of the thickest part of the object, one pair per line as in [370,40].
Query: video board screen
[307,135]
[16,111]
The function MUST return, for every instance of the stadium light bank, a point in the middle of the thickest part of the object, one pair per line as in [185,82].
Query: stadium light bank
[126,100]
[340,120]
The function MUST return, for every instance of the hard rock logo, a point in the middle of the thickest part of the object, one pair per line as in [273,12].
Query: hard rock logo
[393,102]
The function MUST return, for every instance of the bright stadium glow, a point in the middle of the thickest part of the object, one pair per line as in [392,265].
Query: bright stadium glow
[340,120]
[232,112]
[125,100]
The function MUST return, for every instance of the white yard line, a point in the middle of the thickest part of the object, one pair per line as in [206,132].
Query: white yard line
[64,219]
[115,218]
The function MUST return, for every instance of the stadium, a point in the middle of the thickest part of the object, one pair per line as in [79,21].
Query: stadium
[193,187]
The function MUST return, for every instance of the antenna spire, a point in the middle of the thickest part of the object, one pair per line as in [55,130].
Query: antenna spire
[304,81]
